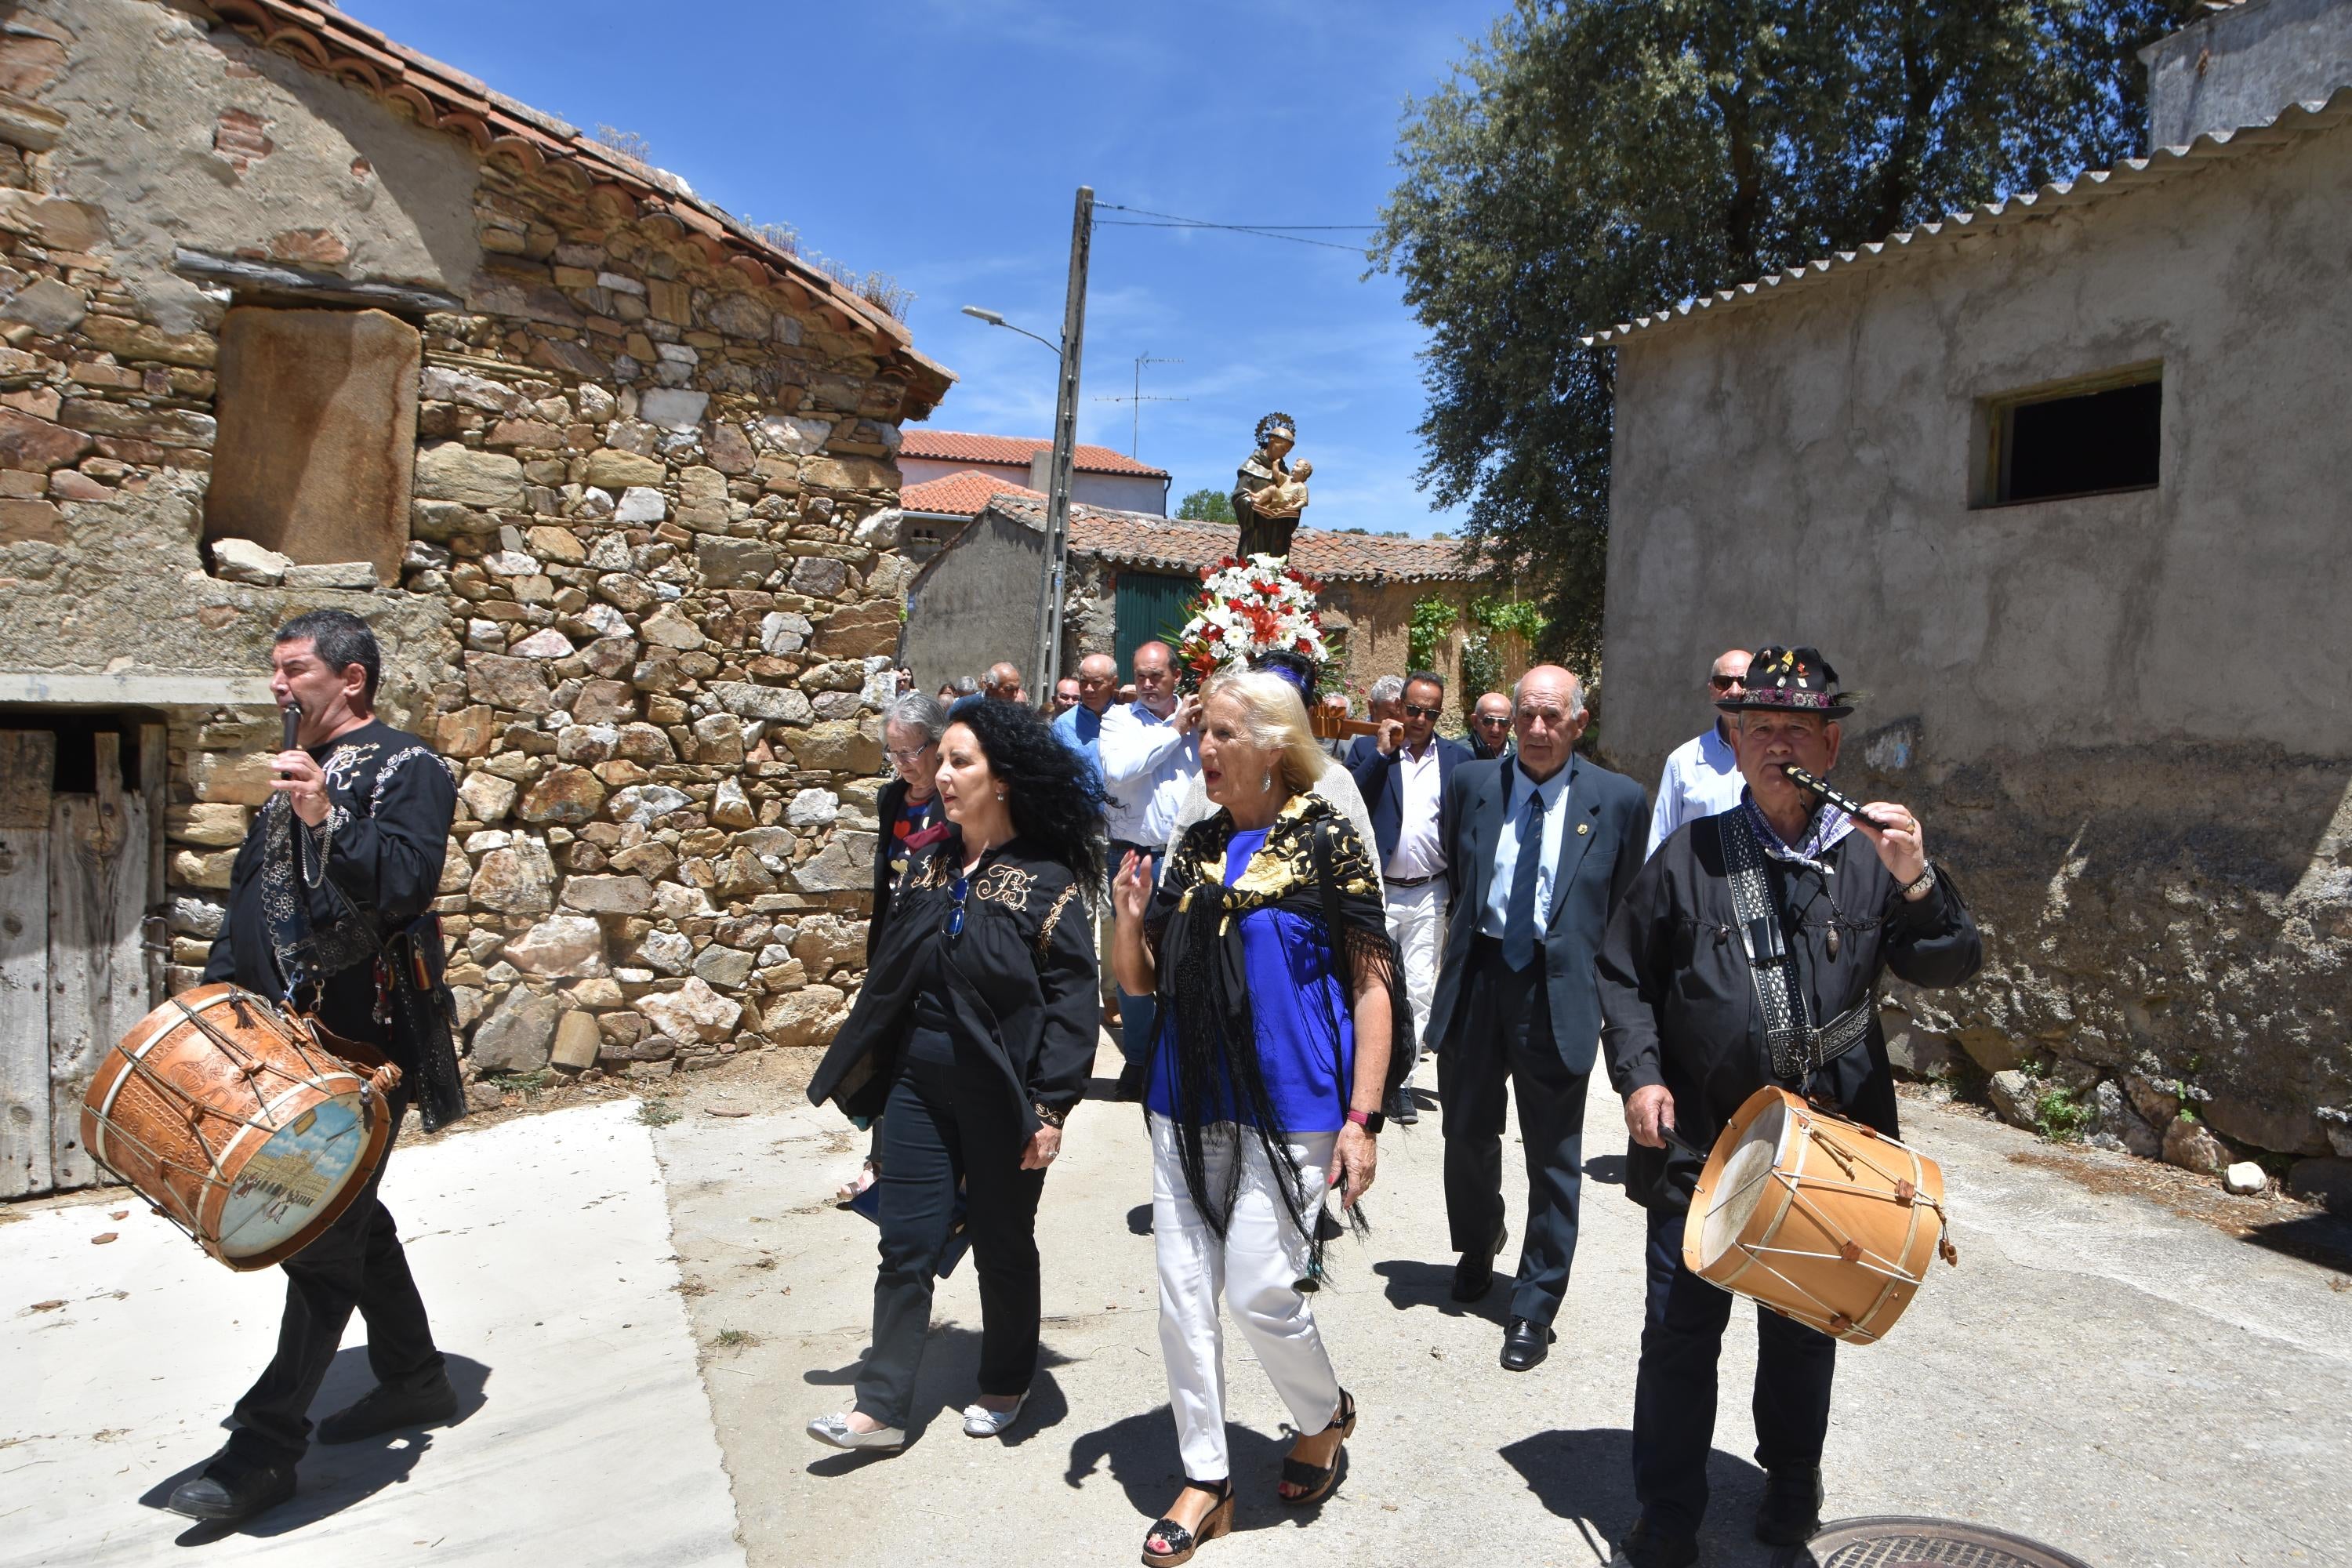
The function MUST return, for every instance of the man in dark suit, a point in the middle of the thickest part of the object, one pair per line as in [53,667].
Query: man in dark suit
[1403,772]
[1542,844]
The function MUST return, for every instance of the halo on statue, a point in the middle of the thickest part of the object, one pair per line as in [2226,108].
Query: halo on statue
[1269,491]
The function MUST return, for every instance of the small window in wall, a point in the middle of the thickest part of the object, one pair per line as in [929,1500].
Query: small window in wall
[317,443]
[2084,438]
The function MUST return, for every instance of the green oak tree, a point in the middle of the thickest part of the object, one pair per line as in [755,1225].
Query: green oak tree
[1206,506]
[1591,161]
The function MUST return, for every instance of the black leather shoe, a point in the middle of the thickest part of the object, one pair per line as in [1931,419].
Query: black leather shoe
[1473,1276]
[1525,1345]
[230,1489]
[1647,1547]
[1792,1512]
[384,1408]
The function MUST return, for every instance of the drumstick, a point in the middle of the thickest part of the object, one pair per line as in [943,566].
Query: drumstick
[1666,1132]
[1821,787]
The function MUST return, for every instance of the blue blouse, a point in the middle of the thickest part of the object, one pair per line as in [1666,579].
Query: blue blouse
[1294,995]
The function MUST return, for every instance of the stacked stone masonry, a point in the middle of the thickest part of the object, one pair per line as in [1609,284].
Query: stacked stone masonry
[651,587]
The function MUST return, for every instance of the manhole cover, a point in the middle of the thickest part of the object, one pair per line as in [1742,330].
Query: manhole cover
[1929,1543]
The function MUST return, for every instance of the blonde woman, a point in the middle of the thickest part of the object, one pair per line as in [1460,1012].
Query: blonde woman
[1281,1024]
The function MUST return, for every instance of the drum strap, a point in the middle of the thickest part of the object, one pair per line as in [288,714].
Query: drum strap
[1797,1049]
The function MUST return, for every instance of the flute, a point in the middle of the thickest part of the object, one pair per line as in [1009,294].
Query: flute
[1838,798]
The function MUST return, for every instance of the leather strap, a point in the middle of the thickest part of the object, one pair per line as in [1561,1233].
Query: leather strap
[1797,1049]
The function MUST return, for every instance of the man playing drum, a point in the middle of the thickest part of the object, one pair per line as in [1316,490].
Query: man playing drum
[336,865]
[1747,951]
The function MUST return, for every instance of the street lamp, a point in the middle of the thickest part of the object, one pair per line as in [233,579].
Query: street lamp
[1070,349]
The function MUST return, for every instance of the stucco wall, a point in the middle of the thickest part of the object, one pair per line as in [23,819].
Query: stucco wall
[974,603]
[1120,492]
[2241,67]
[2120,716]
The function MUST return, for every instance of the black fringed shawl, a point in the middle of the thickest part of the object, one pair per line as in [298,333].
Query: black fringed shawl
[1204,989]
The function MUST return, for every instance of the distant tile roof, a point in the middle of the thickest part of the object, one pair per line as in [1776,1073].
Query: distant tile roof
[1177,544]
[963,495]
[315,33]
[960,447]
[2296,121]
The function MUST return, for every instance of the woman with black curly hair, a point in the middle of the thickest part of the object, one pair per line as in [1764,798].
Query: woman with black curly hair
[972,1037]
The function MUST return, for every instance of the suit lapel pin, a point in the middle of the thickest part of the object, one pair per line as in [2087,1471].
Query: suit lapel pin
[1582,827]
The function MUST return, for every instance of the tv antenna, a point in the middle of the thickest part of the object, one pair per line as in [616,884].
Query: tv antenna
[1135,423]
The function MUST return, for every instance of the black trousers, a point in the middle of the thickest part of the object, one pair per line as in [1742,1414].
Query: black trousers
[1508,1041]
[937,1131]
[357,1262]
[1674,1392]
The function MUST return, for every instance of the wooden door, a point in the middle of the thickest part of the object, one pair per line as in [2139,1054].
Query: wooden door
[98,972]
[28,761]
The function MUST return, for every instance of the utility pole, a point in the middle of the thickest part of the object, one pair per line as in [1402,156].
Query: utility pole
[1135,429]
[1066,437]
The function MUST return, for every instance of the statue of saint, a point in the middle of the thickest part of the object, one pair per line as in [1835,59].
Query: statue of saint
[1269,494]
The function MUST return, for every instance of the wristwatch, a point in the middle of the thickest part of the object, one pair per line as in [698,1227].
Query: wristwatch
[1923,886]
[1372,1121]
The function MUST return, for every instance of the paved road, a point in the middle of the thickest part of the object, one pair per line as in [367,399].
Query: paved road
[2098,1373]
[2138,1388]
[542,1249]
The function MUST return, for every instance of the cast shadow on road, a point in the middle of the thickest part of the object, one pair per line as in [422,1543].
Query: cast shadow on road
[1413,1284]
[949,1380]
[2321,1238]
[1588,1476]
[1142,1453]
[332,1479]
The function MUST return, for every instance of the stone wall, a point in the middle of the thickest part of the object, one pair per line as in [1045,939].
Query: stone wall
[650,591]
[2106,709]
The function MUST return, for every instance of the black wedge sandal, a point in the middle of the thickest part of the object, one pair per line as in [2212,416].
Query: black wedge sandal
[1318,1480]
[1183,1542]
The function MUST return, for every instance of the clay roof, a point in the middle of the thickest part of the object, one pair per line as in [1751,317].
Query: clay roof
[1178,545]
[965,494]
[541,147]
[960,447]
[2133,173]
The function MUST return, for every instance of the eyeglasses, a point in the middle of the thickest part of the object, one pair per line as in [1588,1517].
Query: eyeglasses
[1725,682]
[910,758]
[1415,710]
[955,920]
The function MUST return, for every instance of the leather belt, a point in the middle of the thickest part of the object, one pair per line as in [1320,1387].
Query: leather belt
[1413,881]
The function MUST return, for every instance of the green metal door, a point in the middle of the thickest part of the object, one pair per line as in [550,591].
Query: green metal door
[1151,605]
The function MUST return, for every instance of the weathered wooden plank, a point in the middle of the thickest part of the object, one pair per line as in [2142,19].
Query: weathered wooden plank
[28,758]
[98,976]
[154,773]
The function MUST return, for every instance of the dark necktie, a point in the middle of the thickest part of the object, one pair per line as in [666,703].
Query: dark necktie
[1519,914]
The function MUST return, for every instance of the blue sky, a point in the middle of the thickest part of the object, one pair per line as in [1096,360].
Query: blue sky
[943,142]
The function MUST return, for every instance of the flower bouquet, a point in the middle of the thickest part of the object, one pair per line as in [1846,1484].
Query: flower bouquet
[1248,608]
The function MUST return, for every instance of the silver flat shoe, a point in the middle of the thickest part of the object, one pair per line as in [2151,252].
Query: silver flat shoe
[836,1432]
[980,1421]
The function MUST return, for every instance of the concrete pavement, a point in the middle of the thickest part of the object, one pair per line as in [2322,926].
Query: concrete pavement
[2133,1386]
[542,1249]
[2141,1389]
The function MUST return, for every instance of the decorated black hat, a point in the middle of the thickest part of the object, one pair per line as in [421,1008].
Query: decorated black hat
[1796,679]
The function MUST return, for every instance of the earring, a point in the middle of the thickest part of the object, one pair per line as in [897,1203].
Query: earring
[1266,785]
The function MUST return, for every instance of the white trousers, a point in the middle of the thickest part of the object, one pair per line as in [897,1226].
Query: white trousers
[1255,1269]
[1417,925]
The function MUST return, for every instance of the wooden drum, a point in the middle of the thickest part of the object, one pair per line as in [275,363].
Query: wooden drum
[246,1129]
[1819,1218]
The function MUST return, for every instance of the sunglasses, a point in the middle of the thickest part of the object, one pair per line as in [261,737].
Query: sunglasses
[1415,710]
[1492,721]
[955,920]
[1725,682]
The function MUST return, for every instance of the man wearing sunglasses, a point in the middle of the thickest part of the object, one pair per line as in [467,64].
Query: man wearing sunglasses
[1702,775]
[1490,727]
[1402,773]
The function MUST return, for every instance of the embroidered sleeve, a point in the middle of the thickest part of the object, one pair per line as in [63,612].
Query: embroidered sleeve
[1053,918]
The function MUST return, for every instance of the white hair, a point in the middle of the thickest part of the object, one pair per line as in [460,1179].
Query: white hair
[1387,689]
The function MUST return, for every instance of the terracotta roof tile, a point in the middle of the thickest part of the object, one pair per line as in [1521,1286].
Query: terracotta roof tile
[966,494]
[960,447]
[1178,545]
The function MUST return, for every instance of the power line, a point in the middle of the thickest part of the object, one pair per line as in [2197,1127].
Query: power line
[1294,233]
